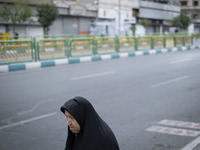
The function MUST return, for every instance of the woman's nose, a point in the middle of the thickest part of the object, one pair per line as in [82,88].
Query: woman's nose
[69,122]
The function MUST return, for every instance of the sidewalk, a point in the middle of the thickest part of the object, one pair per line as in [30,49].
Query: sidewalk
[32,65]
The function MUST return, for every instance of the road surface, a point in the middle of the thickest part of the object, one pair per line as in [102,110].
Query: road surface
[150,102]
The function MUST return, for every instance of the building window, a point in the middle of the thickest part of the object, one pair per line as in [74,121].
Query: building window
[183,3]
[104,13]
[135,12]
[195,16]
[195,3]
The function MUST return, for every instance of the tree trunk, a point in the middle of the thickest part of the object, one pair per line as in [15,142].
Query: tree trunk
[145,30]
[13,29]
[45,30]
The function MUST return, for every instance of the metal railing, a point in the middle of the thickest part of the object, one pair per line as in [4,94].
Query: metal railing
[64,46]
[16,51]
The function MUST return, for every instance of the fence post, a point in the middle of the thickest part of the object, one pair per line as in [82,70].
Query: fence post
[136,43]
[152,42]
[117,44]
[174,38]
[94,46]
[192,42]
[70,48]
[37,52]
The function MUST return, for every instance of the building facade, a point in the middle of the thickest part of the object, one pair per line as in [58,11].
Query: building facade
[74,17]
[159,14]
[191,8]
[30,27]
[115,17]
[111,17]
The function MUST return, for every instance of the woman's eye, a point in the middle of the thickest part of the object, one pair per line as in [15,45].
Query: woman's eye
[70,117]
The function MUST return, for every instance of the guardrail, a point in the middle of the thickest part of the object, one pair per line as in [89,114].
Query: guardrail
[64,46]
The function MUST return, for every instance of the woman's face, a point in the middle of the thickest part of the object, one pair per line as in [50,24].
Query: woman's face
[72,123]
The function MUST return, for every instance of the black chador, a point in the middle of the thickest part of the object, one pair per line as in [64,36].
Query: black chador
[94,133]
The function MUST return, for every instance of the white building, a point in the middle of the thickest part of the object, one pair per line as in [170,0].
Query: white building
[115,17]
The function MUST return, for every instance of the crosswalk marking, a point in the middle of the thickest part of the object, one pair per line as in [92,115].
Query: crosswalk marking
[182,124]
[178,130]
[174,131]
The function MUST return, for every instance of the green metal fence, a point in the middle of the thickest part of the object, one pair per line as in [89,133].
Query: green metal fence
[106,45]
[196,39]
[158,42]
[16,51]
[63,46]
[179,41]
[126,43]
[169,41]
[80,47]
[50,49]
[144,43]
[188,40]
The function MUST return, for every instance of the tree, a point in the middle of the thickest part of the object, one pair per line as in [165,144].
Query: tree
[133,28]
[47,14]
[181,21]
[144,23]
[16,13]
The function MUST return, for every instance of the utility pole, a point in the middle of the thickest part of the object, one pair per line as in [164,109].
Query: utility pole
[193,12]
[119,16]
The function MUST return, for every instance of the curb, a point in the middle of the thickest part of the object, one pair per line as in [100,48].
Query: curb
[31,65]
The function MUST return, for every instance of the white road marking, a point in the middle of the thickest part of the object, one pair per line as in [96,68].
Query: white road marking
[93,75]
[181,61]
[27,121]
[169,81]
[192,144]
[173,131]
[191,125]
[31,110]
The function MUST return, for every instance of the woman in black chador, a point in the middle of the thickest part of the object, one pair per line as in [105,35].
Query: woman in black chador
[86,130]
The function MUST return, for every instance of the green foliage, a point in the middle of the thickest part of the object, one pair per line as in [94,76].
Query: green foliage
[181,21]
[47,14]
[144,22]
[133,28]
[16,13]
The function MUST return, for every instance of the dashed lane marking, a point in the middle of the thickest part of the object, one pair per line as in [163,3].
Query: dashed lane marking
[27,121]
[181,61]
[93,75]
[169,81]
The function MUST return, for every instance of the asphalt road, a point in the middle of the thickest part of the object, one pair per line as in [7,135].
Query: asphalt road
[133,95]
